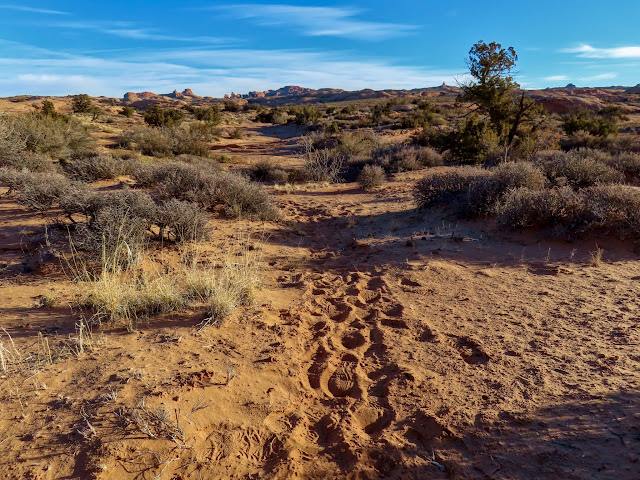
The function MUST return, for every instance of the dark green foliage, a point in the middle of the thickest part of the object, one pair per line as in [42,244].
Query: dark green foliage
[273,115]
[230,106]
[265,171]
[600,124]
[472,143]
[210,115]
[509,113]
[128,111]
[157,116]
[305,115]
[81,104]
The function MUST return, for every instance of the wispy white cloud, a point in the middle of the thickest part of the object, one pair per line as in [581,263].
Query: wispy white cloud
[22,8]
[556,78]
[208,71]
[587,51]
[317,21]
[131,31]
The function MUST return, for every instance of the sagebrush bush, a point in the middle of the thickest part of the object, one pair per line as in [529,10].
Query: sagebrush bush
[182,221]
[33,162]
[627,163]
[371,177]
[447,186]
[265,171]
[561,208]
[36,190]
[58,136]
[614,209]
[99,167]
[474,191]
[321,165]
[168,141]
[208,187]
[577,168]
[118,226]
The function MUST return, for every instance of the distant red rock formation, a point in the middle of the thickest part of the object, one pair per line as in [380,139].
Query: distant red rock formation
[138,96]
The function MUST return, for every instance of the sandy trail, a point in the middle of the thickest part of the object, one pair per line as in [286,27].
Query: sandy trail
[389,343]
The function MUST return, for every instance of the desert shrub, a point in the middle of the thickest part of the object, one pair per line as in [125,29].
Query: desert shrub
[475,192]
[99,167]
[157,116]
[169,141]
[210,115]
[81,103]
[425,115]
[512,175]
[371,177]
[448,186]
[627,163]
[305,115]
[601,124]
[182,221]
[273,115]
[39,191]
[358,144]
[405,158]
[236,133]
[321,165]
[240,197]
[128,111]
[472,143]
[560,208]
[614,209]
[577,168]
[230,106]
[118,226]
[208,188]
[265,171]
[155,142]
[59,136]
[29,161]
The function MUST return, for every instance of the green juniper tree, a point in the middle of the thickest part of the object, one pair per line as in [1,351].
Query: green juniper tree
[496,96]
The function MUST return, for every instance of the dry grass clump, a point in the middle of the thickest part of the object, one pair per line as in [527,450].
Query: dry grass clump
[371,177]
[99,167]
[577,168]
[121,292]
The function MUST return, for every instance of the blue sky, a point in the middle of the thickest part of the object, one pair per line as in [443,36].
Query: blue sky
[110,47]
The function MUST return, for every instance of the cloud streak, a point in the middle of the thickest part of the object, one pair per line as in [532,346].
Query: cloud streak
[210,71]
[44,11]
[317,21]
[587,51]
